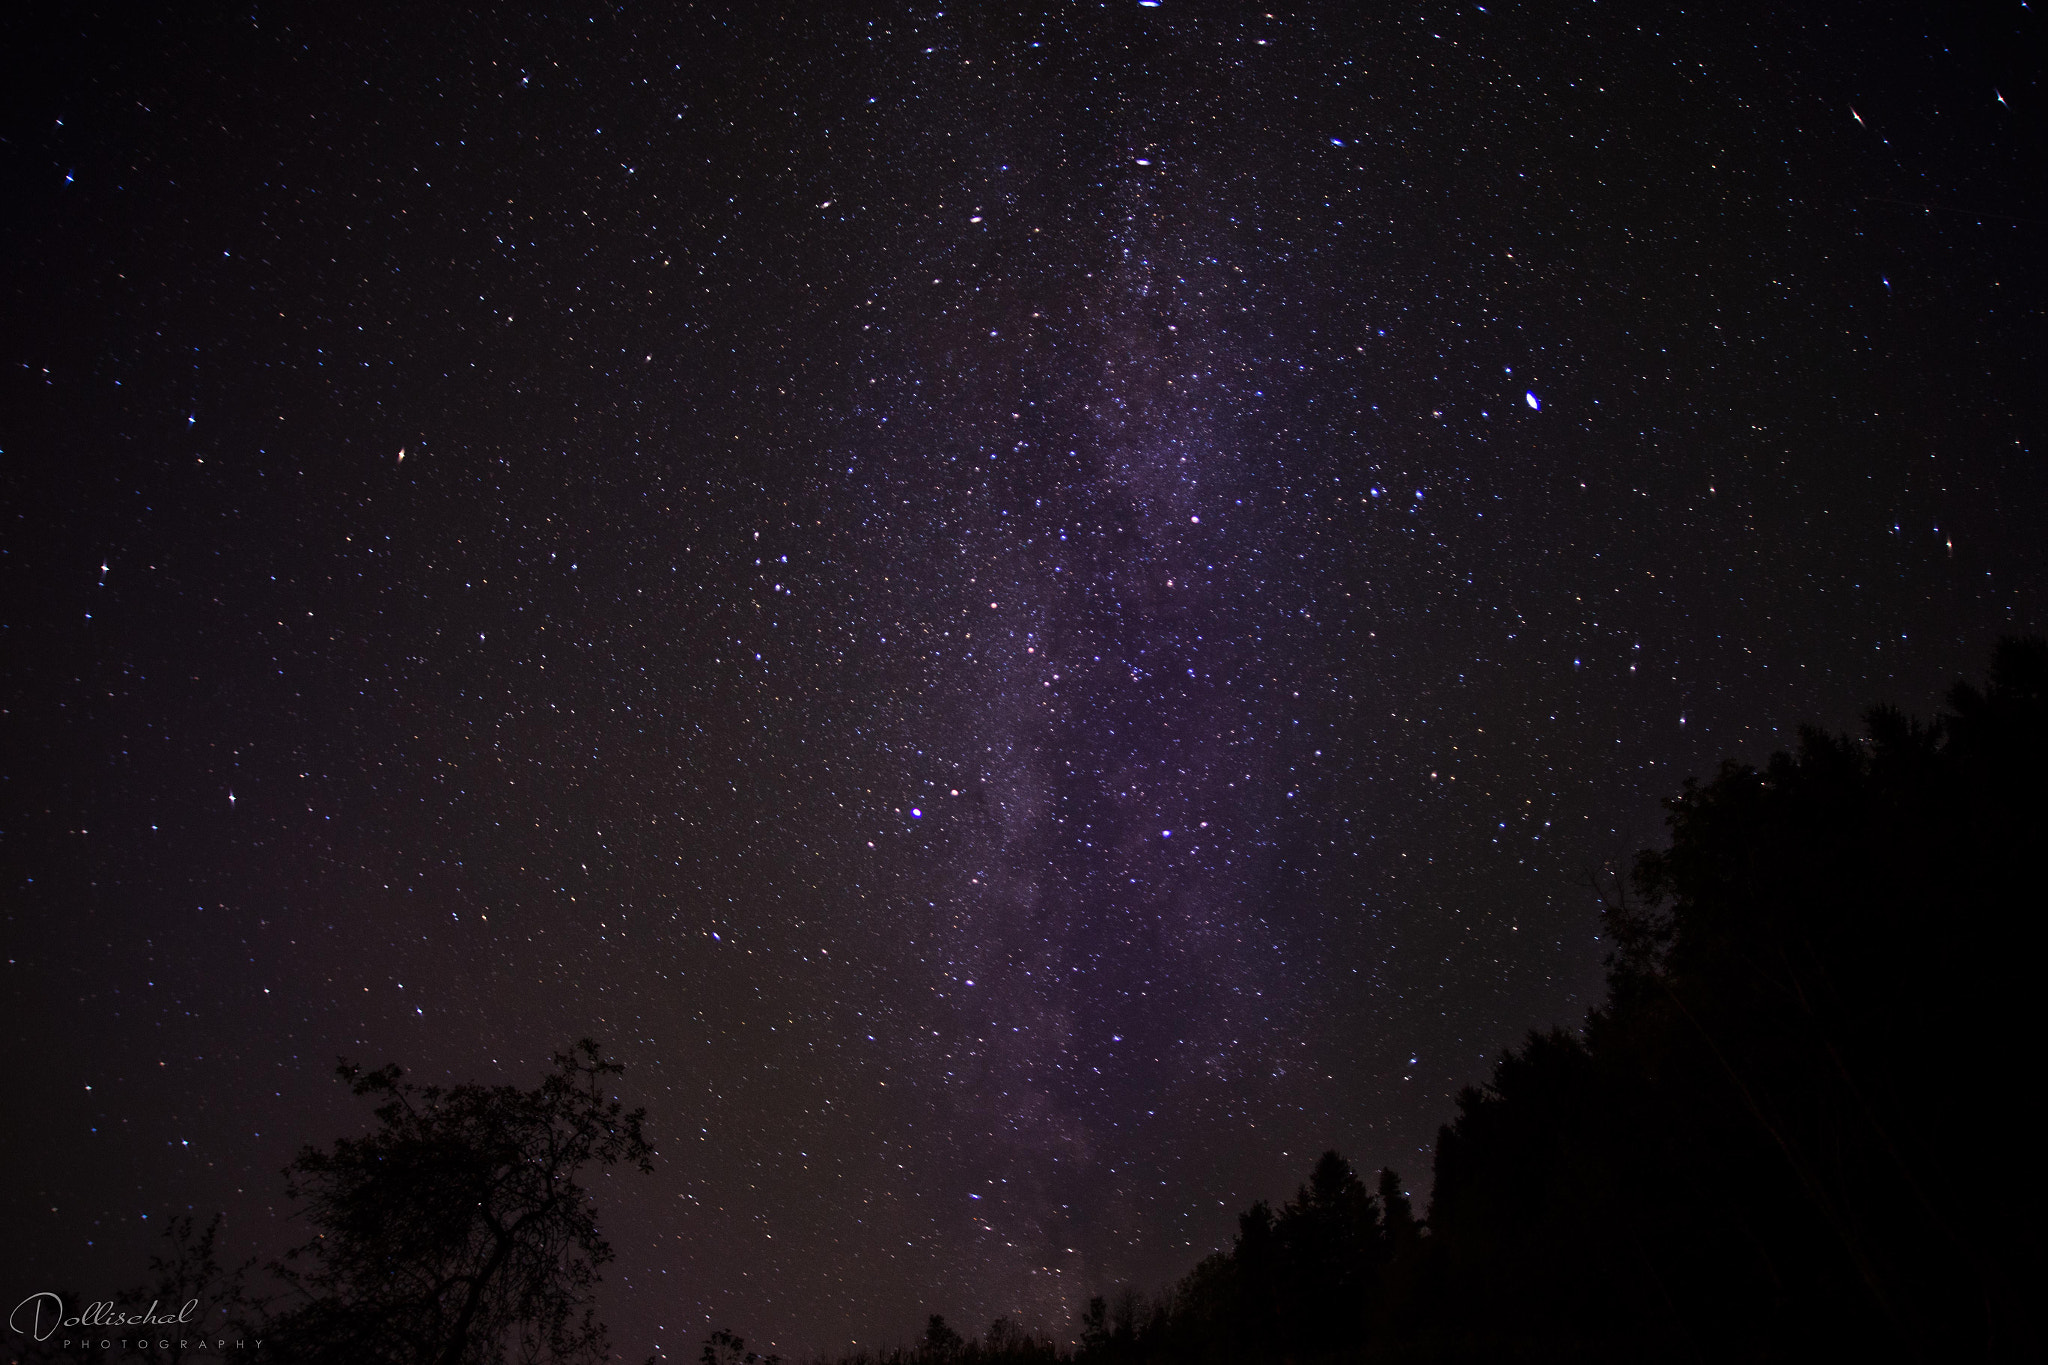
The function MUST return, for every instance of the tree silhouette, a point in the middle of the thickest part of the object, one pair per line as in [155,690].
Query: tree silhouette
[456,1233]
[1403,1232]
[1095,1327]
[939,1339]
[1759,1138]
[723,1348]
[1255,1261]
[1828,990]
[1331,1248]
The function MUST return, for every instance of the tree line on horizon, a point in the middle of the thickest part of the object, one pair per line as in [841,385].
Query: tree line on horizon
[1792,1130]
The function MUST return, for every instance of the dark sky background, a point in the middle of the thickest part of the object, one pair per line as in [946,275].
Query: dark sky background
[1034,615]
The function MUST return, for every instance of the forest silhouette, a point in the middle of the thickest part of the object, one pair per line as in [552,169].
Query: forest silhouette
[1789,1132]
[1792,1130]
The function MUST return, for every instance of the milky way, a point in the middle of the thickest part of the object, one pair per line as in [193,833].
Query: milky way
[1034,617]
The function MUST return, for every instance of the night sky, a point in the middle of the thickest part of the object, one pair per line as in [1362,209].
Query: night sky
[1034,616]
